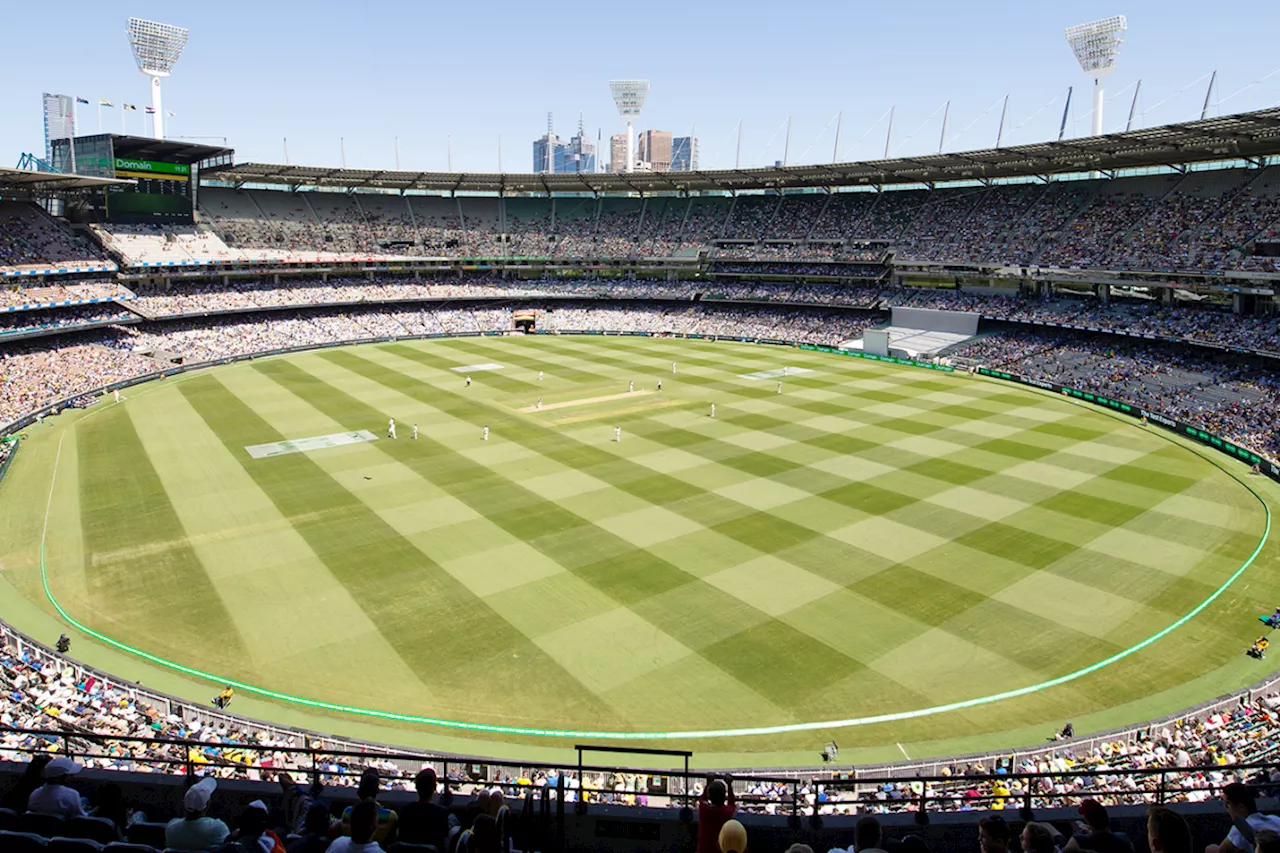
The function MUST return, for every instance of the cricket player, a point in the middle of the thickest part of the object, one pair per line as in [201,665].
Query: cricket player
[486,433]
[631,386]
[539,402]
[468,381]
[617,433]
[659,384]
[713,410]
[673,367]
[779,386]
[391,428]
[539,375]
[415,432]
[117,393]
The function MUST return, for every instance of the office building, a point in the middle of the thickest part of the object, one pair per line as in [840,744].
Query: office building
[655,150]
[684,153]
[59,121]
[551,154]
[618,152]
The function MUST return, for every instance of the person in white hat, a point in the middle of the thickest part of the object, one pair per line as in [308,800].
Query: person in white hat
[54,796]
[196,830]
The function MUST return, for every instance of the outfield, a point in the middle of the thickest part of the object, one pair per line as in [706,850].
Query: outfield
[872,540]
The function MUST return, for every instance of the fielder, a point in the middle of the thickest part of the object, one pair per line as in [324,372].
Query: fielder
[631,386]
[468,381]
[391,428]
[486,433]
[415,432]
[539,375]
[617,433]
[713,410]
[779,386]
[659,384]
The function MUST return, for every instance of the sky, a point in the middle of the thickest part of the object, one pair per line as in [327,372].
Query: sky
[450,79]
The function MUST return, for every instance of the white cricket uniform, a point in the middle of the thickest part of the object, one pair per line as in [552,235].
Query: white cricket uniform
[391,428]
[617,433]
[486,433]
[415,430]
[713,410]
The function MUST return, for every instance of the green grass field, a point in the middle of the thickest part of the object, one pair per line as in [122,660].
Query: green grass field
[872,540]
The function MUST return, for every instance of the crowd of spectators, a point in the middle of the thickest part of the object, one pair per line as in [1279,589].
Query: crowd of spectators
[1236,399]
[41,691]
[47,294]
[38,373]
[47,320]
[31,239]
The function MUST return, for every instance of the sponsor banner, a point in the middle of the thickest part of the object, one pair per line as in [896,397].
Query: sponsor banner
[1191,431]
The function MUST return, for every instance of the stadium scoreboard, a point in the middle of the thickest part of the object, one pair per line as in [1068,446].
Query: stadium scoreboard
[163,192]
[165,175]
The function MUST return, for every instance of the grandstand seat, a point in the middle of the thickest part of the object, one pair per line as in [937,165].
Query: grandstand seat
[9,820]
[21,842]
[47,825]
[146,832]
[98,829]
[73,845]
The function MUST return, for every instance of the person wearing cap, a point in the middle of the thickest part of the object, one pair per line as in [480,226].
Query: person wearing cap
[54,796]
[1095,832]
[196,830]
[252,834]
[1242,806]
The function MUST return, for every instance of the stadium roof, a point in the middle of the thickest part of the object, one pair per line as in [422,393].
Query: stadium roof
[1246,135]
[165,150]
[25,180]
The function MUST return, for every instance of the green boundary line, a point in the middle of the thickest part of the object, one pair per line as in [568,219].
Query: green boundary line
[613,735]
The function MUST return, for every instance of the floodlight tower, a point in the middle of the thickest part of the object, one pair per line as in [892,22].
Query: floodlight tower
[156,47]
[629,95]
[1096,45]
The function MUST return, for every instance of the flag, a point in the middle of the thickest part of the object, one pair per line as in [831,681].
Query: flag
[129,107]
[151,111]
[105,103]
[80,100]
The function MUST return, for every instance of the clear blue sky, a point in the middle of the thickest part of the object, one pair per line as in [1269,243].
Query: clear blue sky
[370,71]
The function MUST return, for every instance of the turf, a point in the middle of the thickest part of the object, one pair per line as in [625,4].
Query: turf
[871,540]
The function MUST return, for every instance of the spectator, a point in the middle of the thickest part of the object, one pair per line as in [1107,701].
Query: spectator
[1037,838]
[733,837]
[424,821]
[252,835]
[1095,832]
[313,836]
[484,835]
[363,821]
[108,802]
[715,806]
[54,796]
[196,830]
[368,792]
[993,835]
[1242,806]
[17,796]
[867,836]
[1167,831]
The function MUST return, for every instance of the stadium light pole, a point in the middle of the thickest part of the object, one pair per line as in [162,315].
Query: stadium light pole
[629,96]
[156,47]
[1096,46]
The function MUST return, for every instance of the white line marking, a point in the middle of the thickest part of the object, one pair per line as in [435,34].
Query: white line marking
[904,752]
[48,504]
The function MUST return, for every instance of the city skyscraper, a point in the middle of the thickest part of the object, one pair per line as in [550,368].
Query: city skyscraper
[618,152]
[655,149]
[684,154]
[550,154]
[59,121]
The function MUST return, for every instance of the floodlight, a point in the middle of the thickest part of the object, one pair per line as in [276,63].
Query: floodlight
[629,96]
[156,47]
[1096,46]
